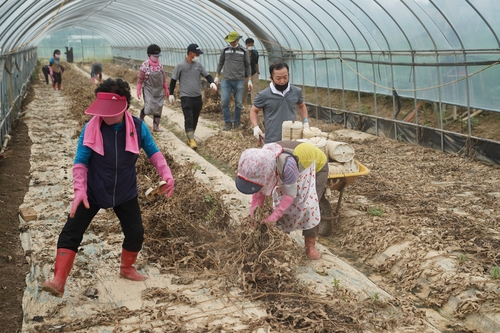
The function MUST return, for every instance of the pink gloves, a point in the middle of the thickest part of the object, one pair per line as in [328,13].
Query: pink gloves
[257,201]
[139,90]
[285,202]
[79,188]
[158,160]
[93,79]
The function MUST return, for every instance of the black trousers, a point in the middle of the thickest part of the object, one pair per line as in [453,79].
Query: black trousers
[191,107]
[57,78]
[46,72]
[130,218]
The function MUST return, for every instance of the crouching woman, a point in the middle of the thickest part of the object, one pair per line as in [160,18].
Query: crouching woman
[295,174]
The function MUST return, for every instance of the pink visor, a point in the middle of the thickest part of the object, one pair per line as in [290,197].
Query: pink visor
[108,105]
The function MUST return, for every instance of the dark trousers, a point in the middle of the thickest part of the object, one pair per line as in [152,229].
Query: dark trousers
[46,72]
[130,218]
[191,107]
[57,78]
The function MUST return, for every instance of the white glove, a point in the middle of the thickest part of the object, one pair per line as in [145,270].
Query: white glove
[216,80]
[250,85]
[171,99]
[305,125]
[213,86]
[257,133]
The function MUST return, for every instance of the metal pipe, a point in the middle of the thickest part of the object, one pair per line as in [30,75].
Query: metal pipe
[6,139]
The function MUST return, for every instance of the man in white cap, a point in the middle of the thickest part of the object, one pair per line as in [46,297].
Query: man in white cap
[104,176]
[235,60]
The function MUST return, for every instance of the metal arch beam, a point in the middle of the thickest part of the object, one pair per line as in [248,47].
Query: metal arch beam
[354,24]
[269,42]
[485,21]
[374,23]
[16,35]
[395,22]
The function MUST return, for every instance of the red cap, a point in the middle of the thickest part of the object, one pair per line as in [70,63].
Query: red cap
[108,105]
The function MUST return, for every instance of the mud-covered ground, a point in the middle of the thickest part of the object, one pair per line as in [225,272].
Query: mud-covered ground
[430,207]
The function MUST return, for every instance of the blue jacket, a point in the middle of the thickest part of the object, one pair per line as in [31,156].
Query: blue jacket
[111,178]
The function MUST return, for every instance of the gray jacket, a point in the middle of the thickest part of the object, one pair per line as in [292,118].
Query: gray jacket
[236,63]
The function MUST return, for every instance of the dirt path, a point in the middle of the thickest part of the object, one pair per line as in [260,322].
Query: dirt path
[422,225]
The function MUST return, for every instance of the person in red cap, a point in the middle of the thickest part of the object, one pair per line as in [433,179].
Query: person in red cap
[104,176]
[295,175]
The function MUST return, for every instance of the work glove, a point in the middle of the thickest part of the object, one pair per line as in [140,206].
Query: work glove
[213,86]
[79,188]
[285,202]
[216,80]
[305,125]
[257,133]
[250,85]
[167,92]
[139,91]
[257,201]
[159,162]
[171,99]
[93,80]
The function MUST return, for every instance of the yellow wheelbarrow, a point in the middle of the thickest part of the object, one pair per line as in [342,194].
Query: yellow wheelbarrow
[336,182]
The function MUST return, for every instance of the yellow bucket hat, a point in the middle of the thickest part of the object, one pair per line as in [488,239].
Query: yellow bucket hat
[232,36]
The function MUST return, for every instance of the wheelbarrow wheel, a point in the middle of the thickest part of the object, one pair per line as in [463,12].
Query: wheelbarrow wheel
[326,223]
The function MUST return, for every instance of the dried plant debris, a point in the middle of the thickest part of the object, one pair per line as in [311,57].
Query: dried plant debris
[433,201]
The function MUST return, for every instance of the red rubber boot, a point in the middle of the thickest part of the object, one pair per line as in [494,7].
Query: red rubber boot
[127,270]
[311,251]
[63,265]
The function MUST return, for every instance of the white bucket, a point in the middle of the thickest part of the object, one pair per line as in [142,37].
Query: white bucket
[291,130]
[351,166]
[339,151]
[336,168]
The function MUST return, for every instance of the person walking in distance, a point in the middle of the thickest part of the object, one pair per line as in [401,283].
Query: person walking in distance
[254,66]
[236,63]
[96,72]
[55,70]
[46,73]
[279,102]
[189,72]
[104,176]
[152,82]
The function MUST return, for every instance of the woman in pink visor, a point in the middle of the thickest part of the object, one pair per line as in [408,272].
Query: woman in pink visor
[104,176]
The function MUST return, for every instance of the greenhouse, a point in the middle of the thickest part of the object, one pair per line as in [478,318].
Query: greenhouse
[410,85]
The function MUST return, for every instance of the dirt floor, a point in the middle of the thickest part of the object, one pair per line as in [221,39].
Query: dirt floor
[422,224]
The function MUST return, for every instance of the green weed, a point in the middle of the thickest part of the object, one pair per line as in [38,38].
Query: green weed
[462,258]
[376,211]
[336,283]
[495,272]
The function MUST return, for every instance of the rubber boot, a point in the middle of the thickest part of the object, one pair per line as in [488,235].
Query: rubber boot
[142,115]
[190,140]
[156,124]
[58,86]
[63,265]
[128,271]
[311,251]
[54,86]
